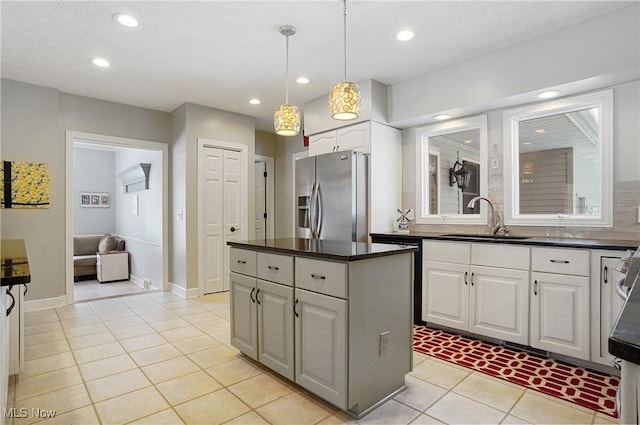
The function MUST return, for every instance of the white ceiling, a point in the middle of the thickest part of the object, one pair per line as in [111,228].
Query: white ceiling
[222,53]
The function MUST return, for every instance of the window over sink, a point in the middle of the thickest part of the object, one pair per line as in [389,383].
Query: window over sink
[561,171]
[451,160]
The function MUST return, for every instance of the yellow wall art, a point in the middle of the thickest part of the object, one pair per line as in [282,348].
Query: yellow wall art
[24,184]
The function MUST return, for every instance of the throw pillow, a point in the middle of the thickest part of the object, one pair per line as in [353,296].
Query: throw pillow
[107,243]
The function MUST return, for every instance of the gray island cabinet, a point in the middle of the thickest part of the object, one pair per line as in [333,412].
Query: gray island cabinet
[334,317]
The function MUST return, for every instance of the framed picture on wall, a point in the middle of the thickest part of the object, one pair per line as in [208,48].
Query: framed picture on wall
[94,199]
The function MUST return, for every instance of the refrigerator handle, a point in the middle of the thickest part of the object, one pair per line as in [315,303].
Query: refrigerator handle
[312,210]
[319,214]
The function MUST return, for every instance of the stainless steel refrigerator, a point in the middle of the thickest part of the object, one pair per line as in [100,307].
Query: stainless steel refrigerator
[331,197]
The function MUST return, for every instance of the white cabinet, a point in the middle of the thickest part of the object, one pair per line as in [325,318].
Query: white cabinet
[261,311]
[605,302]
[560,301]
[4,353]
[112,266]
[354,137]
[481,289]
[321,345]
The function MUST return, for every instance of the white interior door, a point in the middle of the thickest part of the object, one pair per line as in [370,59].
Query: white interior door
[260,200]
[221,215]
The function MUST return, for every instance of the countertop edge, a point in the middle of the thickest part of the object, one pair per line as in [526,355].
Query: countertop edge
[322,255]
[620,245]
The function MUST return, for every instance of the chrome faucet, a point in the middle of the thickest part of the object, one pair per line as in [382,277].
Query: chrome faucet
[496,220]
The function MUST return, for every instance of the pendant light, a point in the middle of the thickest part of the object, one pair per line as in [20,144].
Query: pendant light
[286,118]
[344,98]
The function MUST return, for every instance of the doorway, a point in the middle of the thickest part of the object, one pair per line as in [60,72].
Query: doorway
[222,207]
[146,246]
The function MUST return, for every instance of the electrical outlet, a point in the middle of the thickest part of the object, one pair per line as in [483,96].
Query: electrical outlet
[384,342]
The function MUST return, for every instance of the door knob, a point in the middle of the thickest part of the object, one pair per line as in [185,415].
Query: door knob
[234,229]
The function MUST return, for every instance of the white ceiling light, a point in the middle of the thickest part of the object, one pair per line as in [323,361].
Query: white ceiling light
[548,94]
[441,117]
[541,131]
[467,142]
[101,62]
[126,20]
[405,35]
[302,80]
[254,101]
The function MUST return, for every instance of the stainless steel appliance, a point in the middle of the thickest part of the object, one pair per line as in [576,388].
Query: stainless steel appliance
[628,395]
[331,197]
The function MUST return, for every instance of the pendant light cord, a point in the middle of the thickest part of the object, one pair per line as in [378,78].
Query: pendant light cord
[345,37]
[286,87]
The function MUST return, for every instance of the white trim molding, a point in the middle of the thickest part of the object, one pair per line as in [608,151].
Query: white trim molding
[184,293]
[45,303]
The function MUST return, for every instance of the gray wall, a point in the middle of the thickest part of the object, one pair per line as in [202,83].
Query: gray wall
[142,232]
[93,172]
[190,123]
[34,122]
[285,148]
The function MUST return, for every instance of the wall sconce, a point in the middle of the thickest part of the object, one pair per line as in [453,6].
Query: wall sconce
[459,174]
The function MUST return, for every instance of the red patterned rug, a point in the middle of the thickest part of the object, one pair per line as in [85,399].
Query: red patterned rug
[580,386]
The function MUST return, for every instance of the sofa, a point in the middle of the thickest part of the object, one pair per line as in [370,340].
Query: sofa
[85,253]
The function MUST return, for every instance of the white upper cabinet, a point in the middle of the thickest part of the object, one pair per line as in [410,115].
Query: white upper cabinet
[354,137]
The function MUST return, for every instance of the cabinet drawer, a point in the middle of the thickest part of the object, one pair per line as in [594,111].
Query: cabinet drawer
[446,252]
[558,260]
[276,268]
[325,277]
[242,261]
[499,255]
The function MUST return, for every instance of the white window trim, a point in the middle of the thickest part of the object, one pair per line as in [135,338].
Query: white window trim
[422,170]
[511,119]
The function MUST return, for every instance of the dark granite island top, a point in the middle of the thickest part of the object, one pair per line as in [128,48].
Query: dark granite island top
[624,341]
[324,249]
[15,264]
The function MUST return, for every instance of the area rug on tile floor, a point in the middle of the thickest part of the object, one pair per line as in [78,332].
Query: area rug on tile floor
[580,386]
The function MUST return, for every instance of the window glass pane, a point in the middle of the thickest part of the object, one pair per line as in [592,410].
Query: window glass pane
[559,163]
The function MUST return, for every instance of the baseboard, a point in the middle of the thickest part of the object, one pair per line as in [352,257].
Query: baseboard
[45,303]
[184,293]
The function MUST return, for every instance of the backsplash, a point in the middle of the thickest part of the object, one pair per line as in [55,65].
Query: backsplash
[626,199]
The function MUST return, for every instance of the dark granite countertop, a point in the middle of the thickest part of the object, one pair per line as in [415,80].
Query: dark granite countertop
[323,249]
[624,341]
[15,264]
[533,241]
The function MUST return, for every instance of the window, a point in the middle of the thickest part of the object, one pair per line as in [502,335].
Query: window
[440,149]
[561,160]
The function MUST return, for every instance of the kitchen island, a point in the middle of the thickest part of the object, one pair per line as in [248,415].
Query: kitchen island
[334,317]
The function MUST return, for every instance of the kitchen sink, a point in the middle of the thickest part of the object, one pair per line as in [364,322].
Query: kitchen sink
[473,236]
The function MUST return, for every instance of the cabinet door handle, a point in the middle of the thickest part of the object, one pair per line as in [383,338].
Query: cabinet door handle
[317,276]
[295,304]
[472,278]
[560,261]
[251,295]
[535,287]
[13,302]
[465,278]
[605,274]
[257,299]
[274,268]
[241,262]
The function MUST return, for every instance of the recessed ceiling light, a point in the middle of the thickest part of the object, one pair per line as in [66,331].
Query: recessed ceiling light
[526,143]
[467,142]
[441,117]
[254,101]
[302,80]
[541,131]
[126,20]
[548,94]
[405,35]
[101,62]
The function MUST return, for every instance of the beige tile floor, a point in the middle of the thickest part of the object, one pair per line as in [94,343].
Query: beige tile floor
[158,359]
[91,289]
